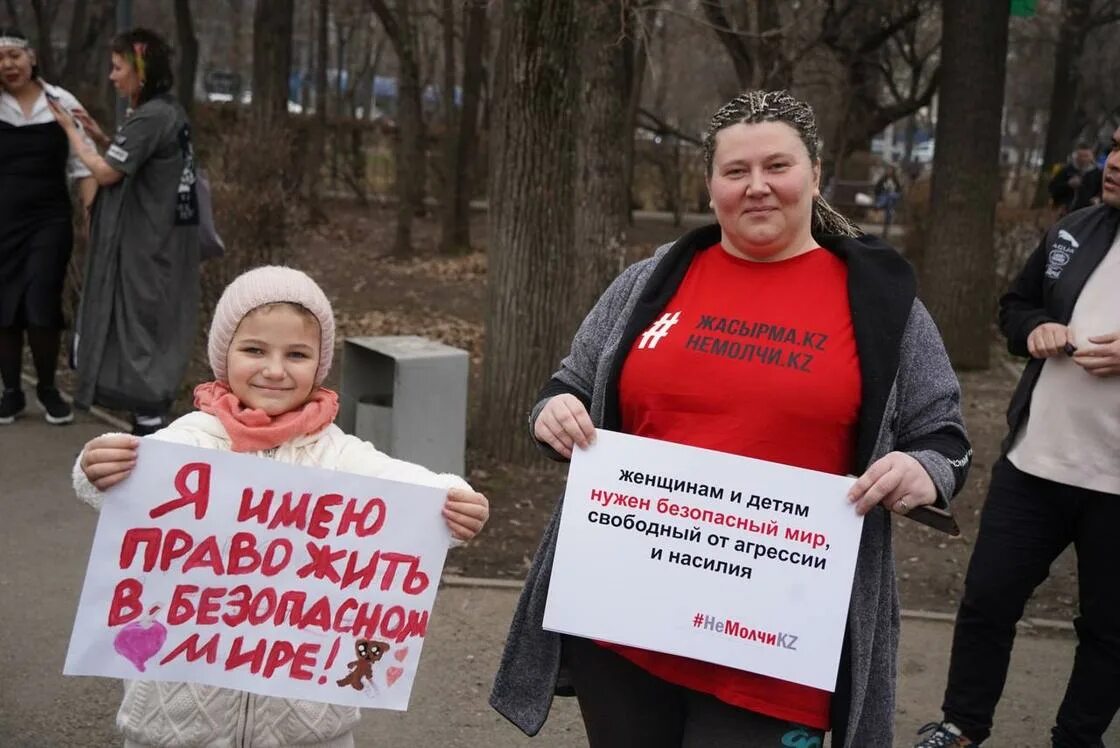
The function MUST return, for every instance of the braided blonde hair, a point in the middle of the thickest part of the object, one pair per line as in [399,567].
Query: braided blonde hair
[752,107]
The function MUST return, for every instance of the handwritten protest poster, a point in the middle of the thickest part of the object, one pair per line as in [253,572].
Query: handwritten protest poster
[707,555]
[232,570]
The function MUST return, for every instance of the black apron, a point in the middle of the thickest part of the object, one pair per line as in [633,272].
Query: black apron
[36,234]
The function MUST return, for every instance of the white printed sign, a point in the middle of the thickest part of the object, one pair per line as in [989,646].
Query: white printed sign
[707,555]
[231,570]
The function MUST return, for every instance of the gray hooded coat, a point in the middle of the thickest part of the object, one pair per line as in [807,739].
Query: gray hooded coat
[139,306]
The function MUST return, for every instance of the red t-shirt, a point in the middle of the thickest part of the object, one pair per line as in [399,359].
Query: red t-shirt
[761,362]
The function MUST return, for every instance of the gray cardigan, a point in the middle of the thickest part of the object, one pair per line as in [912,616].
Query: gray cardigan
[910,403]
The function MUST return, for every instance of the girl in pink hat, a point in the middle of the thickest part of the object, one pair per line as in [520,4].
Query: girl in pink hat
[270,347]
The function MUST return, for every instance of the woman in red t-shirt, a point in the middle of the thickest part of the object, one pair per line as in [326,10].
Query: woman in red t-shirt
[665,355]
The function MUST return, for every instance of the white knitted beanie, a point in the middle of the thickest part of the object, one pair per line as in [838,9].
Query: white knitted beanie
[269,285]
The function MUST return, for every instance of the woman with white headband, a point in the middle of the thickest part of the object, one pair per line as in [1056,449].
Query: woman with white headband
[36,234]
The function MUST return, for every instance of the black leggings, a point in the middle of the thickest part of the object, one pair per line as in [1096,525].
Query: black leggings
[44,343]
[623,705]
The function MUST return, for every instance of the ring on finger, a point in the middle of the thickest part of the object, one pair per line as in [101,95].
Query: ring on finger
[901,506]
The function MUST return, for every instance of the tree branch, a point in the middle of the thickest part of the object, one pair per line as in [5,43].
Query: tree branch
[877,39]
[730,38]
[388,20]
[661,127]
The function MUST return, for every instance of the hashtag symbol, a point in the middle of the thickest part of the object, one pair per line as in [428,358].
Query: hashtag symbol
[658,330]
[698,620]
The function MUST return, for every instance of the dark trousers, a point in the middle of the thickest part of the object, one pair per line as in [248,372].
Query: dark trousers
[1025,524]
[623,706]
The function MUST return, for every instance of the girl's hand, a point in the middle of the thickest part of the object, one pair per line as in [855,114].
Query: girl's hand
[897,481]
[89,124]
[564,422]
[466,512]
[109,459]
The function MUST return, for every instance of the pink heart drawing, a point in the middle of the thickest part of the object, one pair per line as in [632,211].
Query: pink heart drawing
[137,642]
[393,674]
[400,654]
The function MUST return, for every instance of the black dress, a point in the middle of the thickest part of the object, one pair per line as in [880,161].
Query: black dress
[36,233]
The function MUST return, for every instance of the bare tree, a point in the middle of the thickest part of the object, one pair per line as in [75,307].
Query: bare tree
[531,230]
[272,59]
[959,265]
[87,22]
[400,27]
[641,18]
[602,202]
[13,14]
[319,126]
[890,70]
[188,53]
[1079,18]
[45,12]
[457,235]
[449,141]
[756,39]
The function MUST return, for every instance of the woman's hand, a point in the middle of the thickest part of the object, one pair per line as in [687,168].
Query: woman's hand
[466,512]
[63,117]
[564,422]
[109,459]
[89,124]
[897,481]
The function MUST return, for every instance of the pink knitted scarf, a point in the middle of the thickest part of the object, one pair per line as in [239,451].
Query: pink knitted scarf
[253,430]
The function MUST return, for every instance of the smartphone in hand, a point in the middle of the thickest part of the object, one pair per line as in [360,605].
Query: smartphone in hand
[54,98]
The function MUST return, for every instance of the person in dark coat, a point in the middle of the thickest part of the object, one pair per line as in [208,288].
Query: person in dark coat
[1078,184]
[1056,483]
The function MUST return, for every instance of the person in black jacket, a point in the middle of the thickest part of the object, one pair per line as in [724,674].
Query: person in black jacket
[1057,482]
[1078,184]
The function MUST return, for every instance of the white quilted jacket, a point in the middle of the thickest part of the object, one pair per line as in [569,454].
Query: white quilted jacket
[189,715]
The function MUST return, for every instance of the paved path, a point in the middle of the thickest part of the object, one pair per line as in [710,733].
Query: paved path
[46,536]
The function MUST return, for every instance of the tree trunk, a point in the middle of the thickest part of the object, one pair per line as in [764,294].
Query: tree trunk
[602,202]
[1063,94]
[960,263]
[78,22]
[411,161]
[319,126]
[13,14]
[83,44]
[236,60]
[410,164]
[911,136]
[342,41]
[474,53]
[272,59]
[636,59]
[531,262]
[188,53]
[44,49]
[450,139]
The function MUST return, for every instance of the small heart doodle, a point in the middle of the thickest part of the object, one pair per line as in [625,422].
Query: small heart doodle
[393,674]
[400,654]
[139,642]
